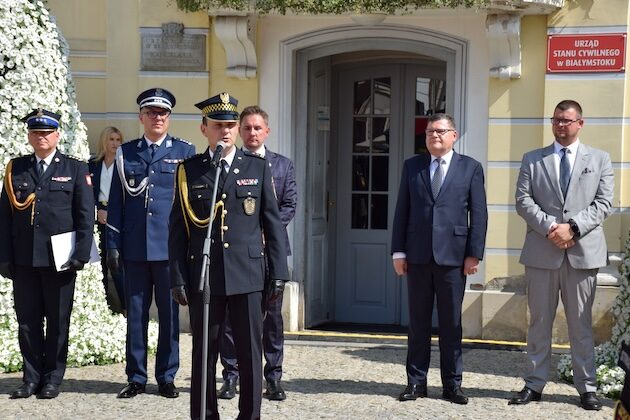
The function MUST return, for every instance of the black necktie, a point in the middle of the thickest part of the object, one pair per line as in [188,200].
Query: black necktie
[40,168]
[153,149]
[223,174]
[565,171]
[436,182]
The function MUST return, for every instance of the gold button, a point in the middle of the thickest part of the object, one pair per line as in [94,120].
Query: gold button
[225,228]
[226,245]
[224,212]
[223,196]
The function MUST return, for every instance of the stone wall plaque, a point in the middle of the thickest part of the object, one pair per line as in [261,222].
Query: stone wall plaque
[173,50]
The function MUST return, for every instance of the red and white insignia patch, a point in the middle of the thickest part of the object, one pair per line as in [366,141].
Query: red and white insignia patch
[88,179]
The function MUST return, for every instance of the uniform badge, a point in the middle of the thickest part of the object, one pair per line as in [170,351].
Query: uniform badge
[88,180]
[225,97]
[249,205]
[236,171]
[132,182]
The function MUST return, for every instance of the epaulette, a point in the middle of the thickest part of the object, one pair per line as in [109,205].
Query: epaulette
[252,154]
[73,157]
[197,156]
[182,140]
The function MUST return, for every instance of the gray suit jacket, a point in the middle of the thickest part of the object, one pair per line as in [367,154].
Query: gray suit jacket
[540,203]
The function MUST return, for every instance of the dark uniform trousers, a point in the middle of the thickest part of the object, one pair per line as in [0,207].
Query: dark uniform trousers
[61,201]
[237,269]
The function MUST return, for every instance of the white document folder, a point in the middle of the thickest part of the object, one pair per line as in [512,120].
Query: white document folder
[63,246]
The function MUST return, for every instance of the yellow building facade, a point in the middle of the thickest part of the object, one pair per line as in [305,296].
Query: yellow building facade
[486,67]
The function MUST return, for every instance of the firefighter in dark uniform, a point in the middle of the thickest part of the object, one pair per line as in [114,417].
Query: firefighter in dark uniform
[44,194]
[140,200]
[246,206]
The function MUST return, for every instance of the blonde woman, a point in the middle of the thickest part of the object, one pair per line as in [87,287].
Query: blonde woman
[102,170]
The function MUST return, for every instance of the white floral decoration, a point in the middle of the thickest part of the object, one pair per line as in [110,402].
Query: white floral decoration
[34,73]
[610,377]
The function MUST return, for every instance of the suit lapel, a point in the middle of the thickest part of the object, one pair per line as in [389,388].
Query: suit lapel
[549,162]
[581,162]
[32,169]
[235,168]
[143,150]
[425,176]
[163,150]
[453,169]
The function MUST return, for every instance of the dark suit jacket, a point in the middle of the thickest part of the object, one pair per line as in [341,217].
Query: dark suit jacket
[242,266]
[286,189]
[95,167]
[137,226]
[64,203]
[449,228]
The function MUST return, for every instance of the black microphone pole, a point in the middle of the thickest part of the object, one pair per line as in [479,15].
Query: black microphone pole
[204,278]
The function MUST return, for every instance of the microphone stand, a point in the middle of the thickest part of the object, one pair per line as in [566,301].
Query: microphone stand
[204,287]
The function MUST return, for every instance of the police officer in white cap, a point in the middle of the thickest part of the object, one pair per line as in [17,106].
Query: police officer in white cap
[139,204]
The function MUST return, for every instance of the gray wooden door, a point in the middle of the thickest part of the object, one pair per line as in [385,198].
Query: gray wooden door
[381,115]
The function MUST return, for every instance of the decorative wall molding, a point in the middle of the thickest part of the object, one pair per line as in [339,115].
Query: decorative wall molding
[504,42]
[238,36]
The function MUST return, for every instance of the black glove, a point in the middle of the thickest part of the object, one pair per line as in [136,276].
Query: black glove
[113,261]
[72,265]
[6,270]
[276,288]
[179,295]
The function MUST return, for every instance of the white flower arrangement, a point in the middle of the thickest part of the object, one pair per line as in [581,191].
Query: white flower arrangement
[610,377]
[34,72]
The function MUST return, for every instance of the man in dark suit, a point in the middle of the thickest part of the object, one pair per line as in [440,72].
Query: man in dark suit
[438,239]
[44,194]
[246,206]
[254,130]
[140,200]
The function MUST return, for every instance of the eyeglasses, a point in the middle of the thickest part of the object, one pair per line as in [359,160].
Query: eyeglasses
[440,131]
[562,122]
[155,114]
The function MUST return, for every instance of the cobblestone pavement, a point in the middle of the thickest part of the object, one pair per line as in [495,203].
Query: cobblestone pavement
[323,380]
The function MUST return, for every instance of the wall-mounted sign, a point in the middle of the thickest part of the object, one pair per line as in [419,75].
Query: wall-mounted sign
[171,49]
[586,53]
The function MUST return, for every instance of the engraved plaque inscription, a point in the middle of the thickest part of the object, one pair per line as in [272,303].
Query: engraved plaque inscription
[173,50]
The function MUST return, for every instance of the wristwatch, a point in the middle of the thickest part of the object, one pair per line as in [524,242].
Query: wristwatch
[574,227]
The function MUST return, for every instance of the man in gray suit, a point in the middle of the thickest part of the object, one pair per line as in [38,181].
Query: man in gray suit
[564,192]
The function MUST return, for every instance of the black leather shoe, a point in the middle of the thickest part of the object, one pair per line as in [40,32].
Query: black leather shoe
[589,401]
[25,390]
[455,395]
[48,392]
[131,390]
[228,390]
[274,391]
[413,392]
[168,390]
[525,396]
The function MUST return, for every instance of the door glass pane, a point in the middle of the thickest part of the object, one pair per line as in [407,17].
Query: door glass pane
[362,96]
[380,132]
[430,99]
[379,211]
[380,173]
[382,93]
[360,173]
[359,211]
[360,136]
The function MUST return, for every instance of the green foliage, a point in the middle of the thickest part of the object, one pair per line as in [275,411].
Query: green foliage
[334,7]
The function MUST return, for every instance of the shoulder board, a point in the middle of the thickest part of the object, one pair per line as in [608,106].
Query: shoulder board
[256,155]
[182,140]
[72,157]
[197,156]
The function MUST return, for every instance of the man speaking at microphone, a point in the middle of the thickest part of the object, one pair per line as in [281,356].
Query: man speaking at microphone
[245,207]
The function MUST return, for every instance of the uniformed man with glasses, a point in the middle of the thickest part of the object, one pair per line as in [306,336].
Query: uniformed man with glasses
[140,201]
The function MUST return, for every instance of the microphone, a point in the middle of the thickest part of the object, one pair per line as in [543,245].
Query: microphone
[217,153]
